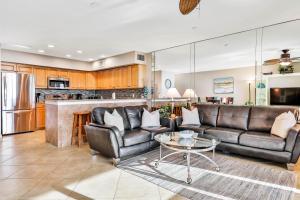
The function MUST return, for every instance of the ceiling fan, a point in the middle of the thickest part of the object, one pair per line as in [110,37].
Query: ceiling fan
[187,6]
[284,60]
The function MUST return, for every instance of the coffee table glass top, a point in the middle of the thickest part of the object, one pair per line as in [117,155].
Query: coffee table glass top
[187,139]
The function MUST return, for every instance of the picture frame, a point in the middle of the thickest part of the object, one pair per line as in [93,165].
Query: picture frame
[224,85]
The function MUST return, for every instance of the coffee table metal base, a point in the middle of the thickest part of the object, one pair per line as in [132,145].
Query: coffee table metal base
[187,155]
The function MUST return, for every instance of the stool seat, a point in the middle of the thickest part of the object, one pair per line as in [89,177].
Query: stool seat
[78,133]
[82,113]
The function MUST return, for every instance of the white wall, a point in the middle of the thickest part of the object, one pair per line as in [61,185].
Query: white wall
[119,60]
[166,75]
[43,60]
[204,83]
[50,61]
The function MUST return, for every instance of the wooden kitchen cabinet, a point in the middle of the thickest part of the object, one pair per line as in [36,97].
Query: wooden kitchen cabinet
[52,72]
[77,80]
[107,79]
[40,77]
[63,74]
[24,68]
[117,78]
[40,115]
[91,80]
[132,76]
[126,77]
[138,76]
[73,75]
[82,80]
[8,66]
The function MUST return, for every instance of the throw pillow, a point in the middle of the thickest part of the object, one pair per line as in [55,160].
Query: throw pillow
[114,119]
[282,124]
[150,119]
[190,116]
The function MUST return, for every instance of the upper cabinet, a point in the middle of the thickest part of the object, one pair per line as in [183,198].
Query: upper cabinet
[77,80]
[52,72]
[24,68]
[138,76]
[63,73]
[132,76]
[8,66]
[91,80]
[40,77]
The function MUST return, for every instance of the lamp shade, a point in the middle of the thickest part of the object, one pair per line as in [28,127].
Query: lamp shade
[190,93]
[173,93]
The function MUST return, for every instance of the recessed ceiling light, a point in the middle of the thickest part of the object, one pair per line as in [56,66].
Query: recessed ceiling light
[93,3]
[22,46]
[102,56]
[91,59]
[68,56]
[194,27]
[79,51]
[51,46]
[41,51]
[226,45]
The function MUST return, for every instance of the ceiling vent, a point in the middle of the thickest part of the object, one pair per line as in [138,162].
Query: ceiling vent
[140,57]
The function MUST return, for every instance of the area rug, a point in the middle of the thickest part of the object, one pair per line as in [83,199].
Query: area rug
[239,178]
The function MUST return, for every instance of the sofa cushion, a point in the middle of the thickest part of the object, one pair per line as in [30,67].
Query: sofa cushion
[196,128]
[208,114]
[150,118]
[225,134]
[98,114]
[136,136]
[121,111]
[263,117]
[235,117]
[190,116]
[157,130]
[134,115]
[114,119]
[262,140]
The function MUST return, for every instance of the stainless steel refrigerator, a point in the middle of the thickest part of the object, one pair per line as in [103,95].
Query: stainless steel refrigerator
[17,102]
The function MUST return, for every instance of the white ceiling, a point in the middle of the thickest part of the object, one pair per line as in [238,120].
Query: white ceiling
[109,27]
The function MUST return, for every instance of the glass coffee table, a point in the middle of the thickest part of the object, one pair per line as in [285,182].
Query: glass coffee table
[187,143]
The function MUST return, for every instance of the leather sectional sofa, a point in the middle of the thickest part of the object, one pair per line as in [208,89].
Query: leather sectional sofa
[111,142]
[246,131]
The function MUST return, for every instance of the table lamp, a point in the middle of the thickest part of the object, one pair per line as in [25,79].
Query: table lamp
[189,93]
[173,93]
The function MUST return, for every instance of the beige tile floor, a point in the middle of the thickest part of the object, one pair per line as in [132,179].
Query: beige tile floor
[33,169]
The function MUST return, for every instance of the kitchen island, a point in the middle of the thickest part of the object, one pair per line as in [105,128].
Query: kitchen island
[59,116]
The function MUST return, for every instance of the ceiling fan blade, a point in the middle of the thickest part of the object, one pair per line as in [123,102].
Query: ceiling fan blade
[186,6]
[272,62]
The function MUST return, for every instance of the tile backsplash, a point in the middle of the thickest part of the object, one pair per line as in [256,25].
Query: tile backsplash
[105,94]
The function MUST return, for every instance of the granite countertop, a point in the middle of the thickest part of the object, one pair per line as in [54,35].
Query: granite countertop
[169,100]
[92,101]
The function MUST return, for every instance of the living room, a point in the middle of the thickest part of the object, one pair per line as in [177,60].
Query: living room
[182,99]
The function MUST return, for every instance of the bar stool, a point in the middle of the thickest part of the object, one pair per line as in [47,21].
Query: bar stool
[78,132]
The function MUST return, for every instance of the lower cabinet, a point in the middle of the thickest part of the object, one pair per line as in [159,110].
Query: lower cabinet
[40,115]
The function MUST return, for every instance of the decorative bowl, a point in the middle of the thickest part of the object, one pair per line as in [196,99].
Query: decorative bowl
[186,134]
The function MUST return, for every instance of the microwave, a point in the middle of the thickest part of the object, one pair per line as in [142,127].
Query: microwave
[58,83]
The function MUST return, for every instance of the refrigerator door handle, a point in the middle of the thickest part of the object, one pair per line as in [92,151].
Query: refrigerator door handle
[5,90]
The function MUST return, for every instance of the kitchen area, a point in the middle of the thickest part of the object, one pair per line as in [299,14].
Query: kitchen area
[46,91]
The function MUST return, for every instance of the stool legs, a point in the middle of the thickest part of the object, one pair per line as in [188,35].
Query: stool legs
[74,133]
[78,132]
